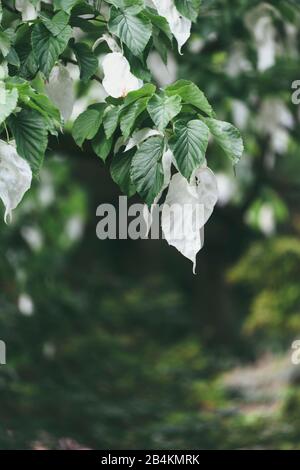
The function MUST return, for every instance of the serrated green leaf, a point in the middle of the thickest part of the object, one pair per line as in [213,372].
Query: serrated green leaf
[57,23]
[120,172]
[189,8]
[163,108]
[47,48]
[147,170]
[111,120]
[30,133]
[146,90]
[228,137]
[8,105]
[65,5]
[101,145]
[190,94]
[134,6]
[87,60]
[87,124]
[189,144]
[160,22]
[133,30]
[130,114]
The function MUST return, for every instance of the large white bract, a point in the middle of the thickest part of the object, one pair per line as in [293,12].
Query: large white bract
[186,210]
[15,178]
[118,80]
[180,26]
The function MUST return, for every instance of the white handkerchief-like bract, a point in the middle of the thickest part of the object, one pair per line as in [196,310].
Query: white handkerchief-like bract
[110,41]
[180,26]
[15,178]
[28,10]
[260,22]
[187,208]
[60,89]
[118,80]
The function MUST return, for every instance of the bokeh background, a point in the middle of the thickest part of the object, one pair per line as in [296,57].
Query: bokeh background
[116,344]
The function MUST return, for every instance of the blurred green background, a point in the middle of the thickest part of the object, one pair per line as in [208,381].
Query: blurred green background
[116,344]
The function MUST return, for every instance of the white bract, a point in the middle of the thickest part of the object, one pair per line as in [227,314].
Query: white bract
[180,26]
[110,41]
[60,89]
[187,208]
[118,80]
[28,10]
[260,22]
[15,178]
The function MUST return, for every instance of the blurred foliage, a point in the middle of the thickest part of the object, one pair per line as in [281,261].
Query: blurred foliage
[115,343]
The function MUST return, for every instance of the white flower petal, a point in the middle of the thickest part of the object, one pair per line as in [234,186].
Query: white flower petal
[139,136]
[60,89]
[15,178]
[28,10]
[180,26]
[118,80]
[186,210]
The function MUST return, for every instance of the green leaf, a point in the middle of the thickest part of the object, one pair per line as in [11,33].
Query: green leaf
[111,120]
[87,124]
[101,145]
[163,108]
[147,170]
[12,58]
[188,8]
[87,60]
[134,30]
[120,172]
[9,104]
[190,94]
[5,43]
[228,137]
[57,23]
[160,22]
[29,66]
[130,115]
[42,104]
[146,90]
[47,48]
[65,5]
[30,133]
[134,6]
[189,144]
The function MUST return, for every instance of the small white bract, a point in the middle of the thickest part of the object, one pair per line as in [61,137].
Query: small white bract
[60,89]
[118,80]
[15,178]
[28,10]
[180,26]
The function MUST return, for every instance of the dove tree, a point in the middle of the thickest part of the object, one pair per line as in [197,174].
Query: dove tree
[144,134]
